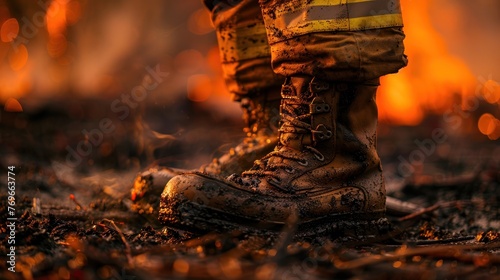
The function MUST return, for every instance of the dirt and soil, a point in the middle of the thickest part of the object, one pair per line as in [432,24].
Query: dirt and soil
[76,221]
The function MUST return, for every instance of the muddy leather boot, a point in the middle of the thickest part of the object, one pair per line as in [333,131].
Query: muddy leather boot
[324,172]
[261,117]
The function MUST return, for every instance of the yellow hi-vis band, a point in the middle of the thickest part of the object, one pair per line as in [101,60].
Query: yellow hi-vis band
[242,43]
[299,17]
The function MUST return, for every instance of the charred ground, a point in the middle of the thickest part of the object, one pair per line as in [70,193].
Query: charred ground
[87,227]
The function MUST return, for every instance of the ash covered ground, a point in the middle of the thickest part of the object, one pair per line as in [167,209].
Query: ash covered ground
[75,219]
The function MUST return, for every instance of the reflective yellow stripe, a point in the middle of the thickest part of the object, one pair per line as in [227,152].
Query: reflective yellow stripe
[295,18]
[334,2]
[358,1]
[320,25]
[300,5]
[344,24]
[371,22]
[243,43]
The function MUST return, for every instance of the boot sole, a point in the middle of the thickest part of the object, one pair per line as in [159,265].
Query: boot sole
[201,219]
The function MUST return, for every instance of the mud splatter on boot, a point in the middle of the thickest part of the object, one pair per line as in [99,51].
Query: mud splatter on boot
[325,169]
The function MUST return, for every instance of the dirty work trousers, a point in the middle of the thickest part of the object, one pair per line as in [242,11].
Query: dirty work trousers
[262,41]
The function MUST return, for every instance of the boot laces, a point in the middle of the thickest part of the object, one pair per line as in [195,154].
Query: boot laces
[295,118]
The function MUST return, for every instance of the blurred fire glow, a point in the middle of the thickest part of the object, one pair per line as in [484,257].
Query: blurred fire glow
[18,58]
[200,23]
[9,30]
[17,75]
[432,78]
[60,14]
[433,81]
[199,89]
[14,81]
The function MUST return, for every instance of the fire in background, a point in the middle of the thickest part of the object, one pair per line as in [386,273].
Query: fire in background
[57,49]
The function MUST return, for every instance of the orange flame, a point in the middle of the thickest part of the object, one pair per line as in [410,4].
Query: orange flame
[432,82]
[56,17]
[60,14]
[433,77]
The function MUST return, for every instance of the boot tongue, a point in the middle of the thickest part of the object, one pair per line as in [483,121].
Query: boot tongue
[300,86]
[293,136]
[300,89]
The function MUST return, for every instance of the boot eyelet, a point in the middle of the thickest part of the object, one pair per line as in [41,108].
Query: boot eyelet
[329,134]
[303,162]
[289,170]
[319,157]
[274,181]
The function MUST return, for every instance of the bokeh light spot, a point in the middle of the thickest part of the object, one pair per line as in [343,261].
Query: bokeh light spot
[486,124]
[12,105]
[57,45]
[181,266]
[9,30]
[199,22]
[18,57]
[188,61]
[491,91]
[199,88]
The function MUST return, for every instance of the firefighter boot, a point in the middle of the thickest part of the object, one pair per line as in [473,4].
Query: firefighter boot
[261,117]
[324,172]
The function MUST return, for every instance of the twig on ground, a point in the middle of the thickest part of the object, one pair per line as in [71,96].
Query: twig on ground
[128,250]
[432,241]
[446,251]
[396,207]
[445,204]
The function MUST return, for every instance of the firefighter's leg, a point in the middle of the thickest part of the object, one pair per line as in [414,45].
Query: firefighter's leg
[336,40]
[244,49]
[325,169]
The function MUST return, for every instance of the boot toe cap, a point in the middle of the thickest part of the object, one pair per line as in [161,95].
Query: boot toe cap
[181,194]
